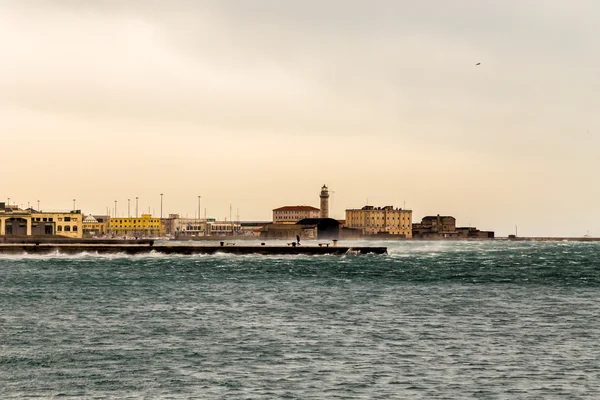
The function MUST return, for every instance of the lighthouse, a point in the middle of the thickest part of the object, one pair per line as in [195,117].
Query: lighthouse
[324,202]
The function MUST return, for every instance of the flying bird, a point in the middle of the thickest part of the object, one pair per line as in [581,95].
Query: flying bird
[478,64]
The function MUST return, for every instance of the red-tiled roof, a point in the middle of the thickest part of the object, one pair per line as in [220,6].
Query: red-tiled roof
[297,208]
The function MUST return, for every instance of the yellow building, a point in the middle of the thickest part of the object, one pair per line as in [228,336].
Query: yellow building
[66,224]
[135,226]
[17,222]
[380,220]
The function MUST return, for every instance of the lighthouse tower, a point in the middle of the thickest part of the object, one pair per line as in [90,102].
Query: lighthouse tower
[324,202]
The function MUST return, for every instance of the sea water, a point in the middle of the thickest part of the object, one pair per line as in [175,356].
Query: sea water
[514,320]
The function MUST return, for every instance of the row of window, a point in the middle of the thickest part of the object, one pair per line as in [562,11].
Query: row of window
[296,212]
[135,221]
[378,219]
[135,226]
[384,226]
[67,228]
[375,215]
[223,228]
[50,219]
[119,231]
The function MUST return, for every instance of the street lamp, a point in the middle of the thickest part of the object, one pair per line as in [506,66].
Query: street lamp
[115,209]
[136,206]
[38,205]
[161,215]
[73,204]
[128,209]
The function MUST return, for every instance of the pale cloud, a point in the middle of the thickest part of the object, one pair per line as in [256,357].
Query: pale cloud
[258,103]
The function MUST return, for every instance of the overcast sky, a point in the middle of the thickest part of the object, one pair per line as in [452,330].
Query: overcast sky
[257,103]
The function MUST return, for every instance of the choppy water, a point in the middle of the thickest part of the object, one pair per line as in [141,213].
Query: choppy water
[430,320]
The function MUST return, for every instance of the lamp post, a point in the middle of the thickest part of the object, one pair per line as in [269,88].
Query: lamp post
[73,204]
[115,209]
[136,206]
[8,202]
[38,205]
[161,215]
[199,214]
[128,208]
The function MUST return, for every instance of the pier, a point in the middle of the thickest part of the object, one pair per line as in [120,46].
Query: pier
[136,249]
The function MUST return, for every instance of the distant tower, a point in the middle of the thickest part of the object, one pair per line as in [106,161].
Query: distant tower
[324,202]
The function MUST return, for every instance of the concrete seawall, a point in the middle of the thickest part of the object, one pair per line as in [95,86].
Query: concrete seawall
[185,250]
[550,239]
[65,240]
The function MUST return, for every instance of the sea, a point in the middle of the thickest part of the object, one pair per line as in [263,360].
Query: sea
[429,320]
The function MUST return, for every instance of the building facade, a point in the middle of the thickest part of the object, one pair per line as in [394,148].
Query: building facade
[142,226]
[252,228]
[95,225]
[179,226]
[288,232]
[293,214]
[188,227]
[380,220]
[30,222]
[68,224]
[435,227]
[224,228]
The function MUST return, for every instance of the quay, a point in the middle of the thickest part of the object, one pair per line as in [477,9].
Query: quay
[135,249]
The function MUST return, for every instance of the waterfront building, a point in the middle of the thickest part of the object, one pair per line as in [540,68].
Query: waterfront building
[435,224]
[308,229]
[224,228]
[95,225]
[288,232]
[380,220]
[252,228]
[145,225]
[30,222]
[178,226]
[293,214]
[471,232]
[434,227]
[69,224]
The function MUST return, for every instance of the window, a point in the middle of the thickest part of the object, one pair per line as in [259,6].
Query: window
[45,219]
[67,228]
[75,229]
[67,219]
[59,228]
[51,219]
[60,219]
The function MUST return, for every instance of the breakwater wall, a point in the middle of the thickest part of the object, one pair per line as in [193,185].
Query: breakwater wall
[550,239]
[135,249]
[66,240]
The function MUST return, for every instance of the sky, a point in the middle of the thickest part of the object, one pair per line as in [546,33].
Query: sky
[255,104]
